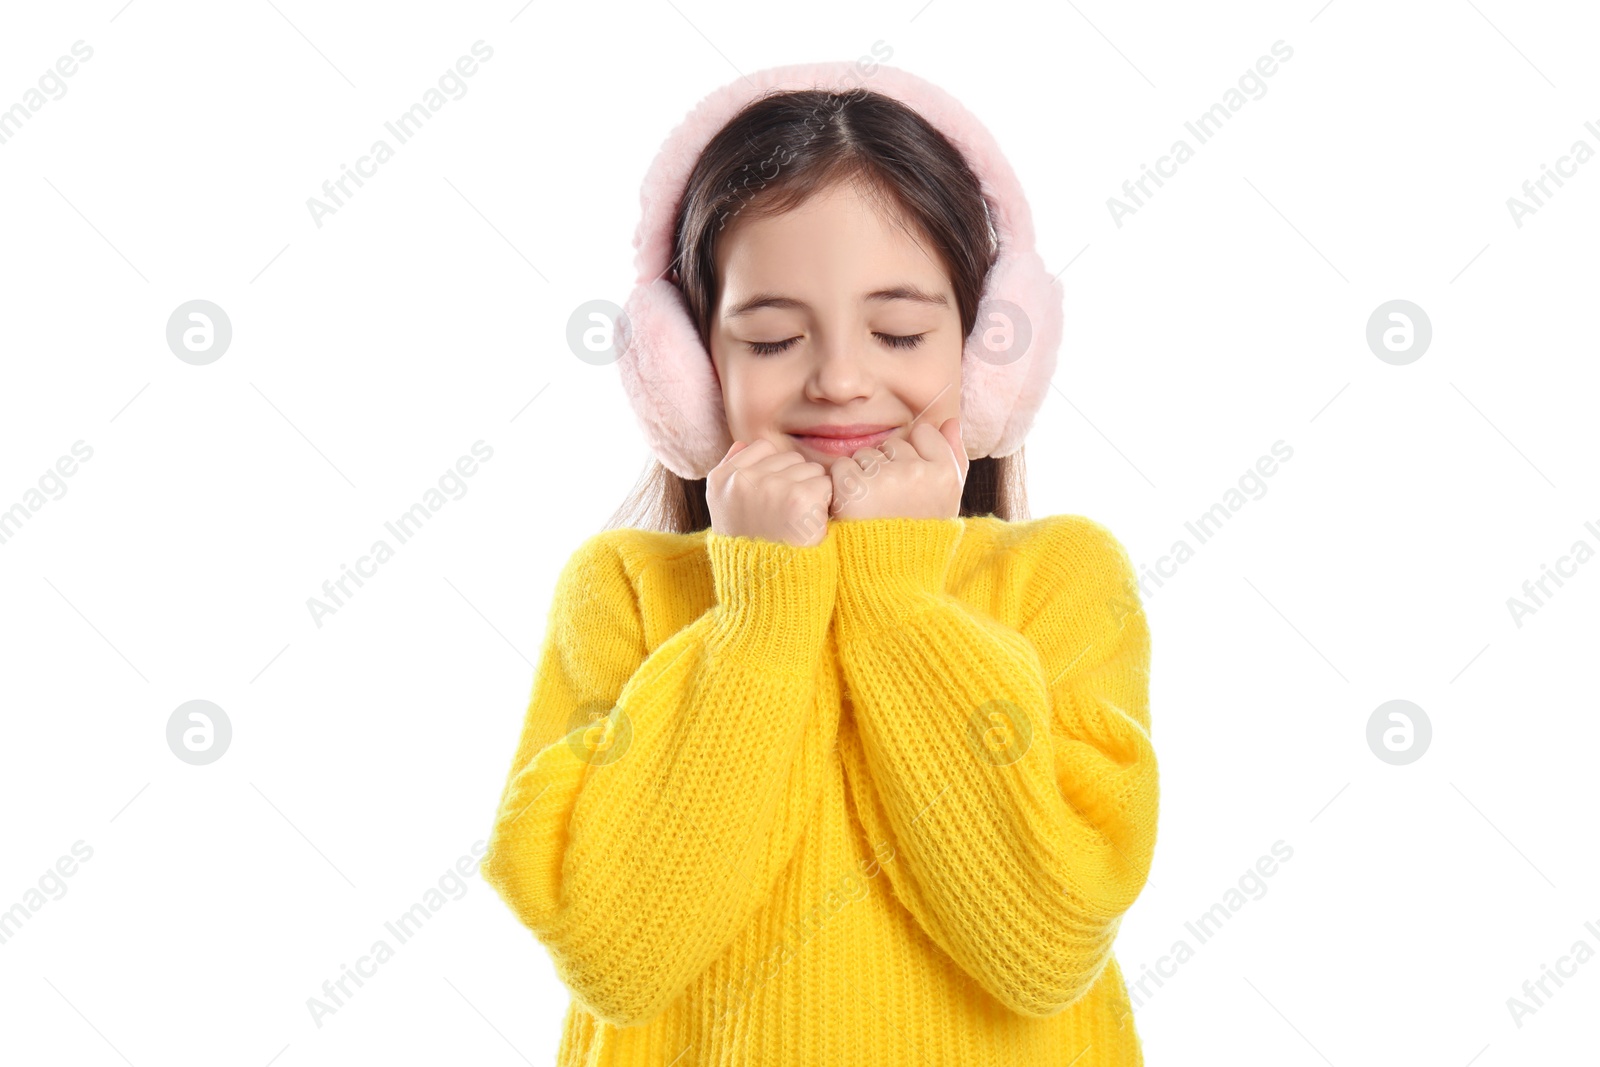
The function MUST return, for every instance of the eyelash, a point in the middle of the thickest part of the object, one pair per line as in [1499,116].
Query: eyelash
[772,348]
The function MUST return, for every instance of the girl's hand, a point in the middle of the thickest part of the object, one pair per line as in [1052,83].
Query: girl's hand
[920,477]
[759,491]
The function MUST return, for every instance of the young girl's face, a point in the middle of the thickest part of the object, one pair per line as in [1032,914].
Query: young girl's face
[834,329]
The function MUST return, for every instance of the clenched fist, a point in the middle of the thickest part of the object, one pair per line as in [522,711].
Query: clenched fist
[759,491]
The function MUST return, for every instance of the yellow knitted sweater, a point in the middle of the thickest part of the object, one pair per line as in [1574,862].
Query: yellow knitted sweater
[875,802]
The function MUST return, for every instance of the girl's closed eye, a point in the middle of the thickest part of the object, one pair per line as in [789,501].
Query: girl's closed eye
[770,348]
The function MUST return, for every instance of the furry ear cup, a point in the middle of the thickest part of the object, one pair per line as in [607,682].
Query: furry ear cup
[1008,359]
[668,375]
[1010,355]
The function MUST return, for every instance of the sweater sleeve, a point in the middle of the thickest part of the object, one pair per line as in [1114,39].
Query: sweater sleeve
[655,796]
[1012,768]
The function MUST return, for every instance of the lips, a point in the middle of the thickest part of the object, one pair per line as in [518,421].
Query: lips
[831,444]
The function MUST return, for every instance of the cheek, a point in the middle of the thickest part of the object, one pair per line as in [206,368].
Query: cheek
[948,378]
[752,398]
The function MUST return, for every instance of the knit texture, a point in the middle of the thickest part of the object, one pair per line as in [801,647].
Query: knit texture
[875,802]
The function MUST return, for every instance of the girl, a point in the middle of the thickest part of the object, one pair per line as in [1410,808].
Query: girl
[838,758]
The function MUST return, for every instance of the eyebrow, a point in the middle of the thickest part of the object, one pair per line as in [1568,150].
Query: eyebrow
[774,300]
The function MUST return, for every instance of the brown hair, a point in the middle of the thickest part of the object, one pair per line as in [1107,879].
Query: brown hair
[782,149]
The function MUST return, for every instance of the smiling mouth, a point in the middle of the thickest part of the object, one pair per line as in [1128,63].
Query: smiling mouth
[842,446]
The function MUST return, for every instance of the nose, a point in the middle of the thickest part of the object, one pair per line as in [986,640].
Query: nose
[840,371]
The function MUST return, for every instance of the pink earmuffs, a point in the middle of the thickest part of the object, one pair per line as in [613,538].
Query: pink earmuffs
[1009,357]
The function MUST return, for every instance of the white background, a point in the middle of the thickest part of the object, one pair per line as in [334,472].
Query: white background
[430,312]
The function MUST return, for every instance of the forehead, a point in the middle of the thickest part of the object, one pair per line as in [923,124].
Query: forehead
[837,240]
